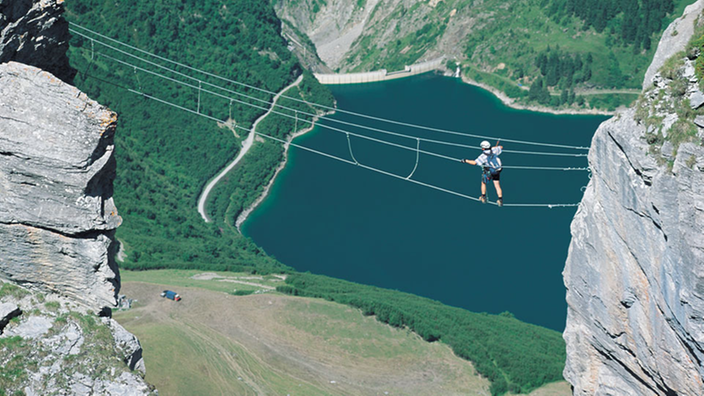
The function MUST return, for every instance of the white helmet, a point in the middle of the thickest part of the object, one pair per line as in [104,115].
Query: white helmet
[485,145]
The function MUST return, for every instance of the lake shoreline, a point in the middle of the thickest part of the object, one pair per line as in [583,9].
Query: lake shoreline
[510,102]
[245,213]
[246,145]
[339,221]
[507,101]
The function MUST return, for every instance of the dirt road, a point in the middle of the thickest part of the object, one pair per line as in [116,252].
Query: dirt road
[246,145]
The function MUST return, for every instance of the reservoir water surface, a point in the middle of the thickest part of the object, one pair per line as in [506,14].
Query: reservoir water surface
[337,219]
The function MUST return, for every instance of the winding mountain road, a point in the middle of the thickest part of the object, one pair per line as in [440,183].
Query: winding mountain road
[246,145]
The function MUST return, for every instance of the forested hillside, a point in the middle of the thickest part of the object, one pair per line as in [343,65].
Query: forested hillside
[165,155]
[556,53]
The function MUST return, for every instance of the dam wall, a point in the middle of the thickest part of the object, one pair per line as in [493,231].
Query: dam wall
[379,75]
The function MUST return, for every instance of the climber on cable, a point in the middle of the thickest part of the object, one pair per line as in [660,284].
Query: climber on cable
[489,160]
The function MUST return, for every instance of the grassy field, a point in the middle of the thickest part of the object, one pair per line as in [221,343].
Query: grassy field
[226,282]
[267,343]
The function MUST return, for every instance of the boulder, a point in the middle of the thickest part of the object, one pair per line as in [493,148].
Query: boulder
[128,345]
[699,121]
[7,312]
[696,100]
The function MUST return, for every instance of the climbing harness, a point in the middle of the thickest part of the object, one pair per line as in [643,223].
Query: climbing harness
[486,175]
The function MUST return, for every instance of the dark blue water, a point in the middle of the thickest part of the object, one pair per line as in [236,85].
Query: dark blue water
[340,220]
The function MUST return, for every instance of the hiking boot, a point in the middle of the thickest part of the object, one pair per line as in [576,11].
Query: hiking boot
[482,199]
[500,202]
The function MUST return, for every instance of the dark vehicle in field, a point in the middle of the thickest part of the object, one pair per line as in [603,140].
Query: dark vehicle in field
[171,295]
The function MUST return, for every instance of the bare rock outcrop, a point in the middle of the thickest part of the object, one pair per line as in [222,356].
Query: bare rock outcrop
[346,32]
[57,217]
[34,32]
[635,269]
[57,220]
[333,29]
[673,39]
[53,346]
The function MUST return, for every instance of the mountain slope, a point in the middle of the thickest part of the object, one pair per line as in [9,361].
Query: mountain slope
[166,156]
[498,43]
[277,344]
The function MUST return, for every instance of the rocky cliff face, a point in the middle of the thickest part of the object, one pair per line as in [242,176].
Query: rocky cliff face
[635,270]
[49,345]
[57,217]
[57,221]
[33,32]
[346,32]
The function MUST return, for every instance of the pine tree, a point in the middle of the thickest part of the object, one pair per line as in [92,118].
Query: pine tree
[535,88]
[552,77]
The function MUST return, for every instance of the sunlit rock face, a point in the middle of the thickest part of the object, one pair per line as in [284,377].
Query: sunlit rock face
[57,217]
[635,269]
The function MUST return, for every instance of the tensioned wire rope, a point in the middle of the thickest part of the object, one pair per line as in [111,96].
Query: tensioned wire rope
[200,83]
[417,149]
[313,104]
[355,163]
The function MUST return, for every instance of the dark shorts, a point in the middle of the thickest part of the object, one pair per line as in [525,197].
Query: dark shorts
[491,174]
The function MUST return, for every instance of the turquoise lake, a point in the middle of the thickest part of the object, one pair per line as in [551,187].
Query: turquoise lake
[340,220]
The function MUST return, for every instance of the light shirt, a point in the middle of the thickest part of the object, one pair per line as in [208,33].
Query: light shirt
[490,160]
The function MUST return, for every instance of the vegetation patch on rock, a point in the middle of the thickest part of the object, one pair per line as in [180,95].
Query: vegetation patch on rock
[55,347]
[672,109]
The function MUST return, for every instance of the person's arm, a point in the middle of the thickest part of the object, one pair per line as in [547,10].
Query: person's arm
[468,161]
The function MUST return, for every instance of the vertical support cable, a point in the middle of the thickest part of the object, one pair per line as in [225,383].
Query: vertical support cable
[295,128]
[230,108]
[198,109]
[417,156]
[136,76]
[92,49]
[349,144]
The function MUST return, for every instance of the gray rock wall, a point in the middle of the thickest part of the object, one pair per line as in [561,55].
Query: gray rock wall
[635,269]
[34,32]
[57,216]
[57,219]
